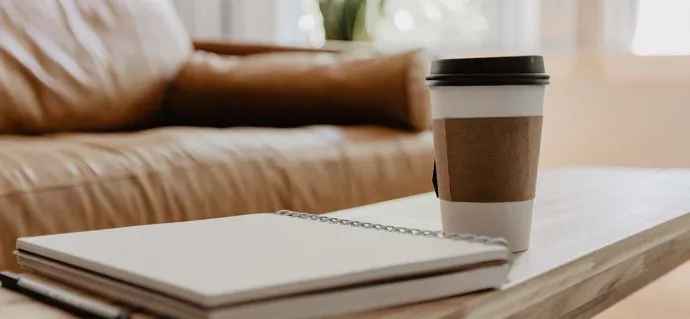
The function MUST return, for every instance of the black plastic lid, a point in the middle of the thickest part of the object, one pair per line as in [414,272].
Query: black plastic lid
[508,70]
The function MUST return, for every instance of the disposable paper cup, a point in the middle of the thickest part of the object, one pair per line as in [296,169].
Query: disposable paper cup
[487,119]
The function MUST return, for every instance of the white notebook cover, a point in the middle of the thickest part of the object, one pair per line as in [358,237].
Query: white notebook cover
[229,260]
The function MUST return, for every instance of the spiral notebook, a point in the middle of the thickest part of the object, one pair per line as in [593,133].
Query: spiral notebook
[282,265]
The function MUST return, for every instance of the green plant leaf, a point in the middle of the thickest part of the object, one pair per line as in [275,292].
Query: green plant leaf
[345,19]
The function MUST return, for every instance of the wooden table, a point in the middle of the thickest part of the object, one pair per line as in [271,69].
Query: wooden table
[599,234]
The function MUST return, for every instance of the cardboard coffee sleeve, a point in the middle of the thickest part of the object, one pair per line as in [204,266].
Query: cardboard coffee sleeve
[505,172]
[487,130]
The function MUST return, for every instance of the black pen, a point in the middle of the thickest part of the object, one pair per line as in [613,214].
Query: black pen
[86,307]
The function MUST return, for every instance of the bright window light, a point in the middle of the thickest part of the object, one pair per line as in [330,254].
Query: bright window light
[662,28]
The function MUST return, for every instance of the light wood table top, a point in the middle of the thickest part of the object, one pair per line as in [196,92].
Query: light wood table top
[598,235]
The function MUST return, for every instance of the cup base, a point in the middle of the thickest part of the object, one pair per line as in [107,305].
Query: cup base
[510,220]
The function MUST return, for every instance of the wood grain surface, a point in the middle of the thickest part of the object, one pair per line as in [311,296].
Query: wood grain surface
[666,298]
[599,235]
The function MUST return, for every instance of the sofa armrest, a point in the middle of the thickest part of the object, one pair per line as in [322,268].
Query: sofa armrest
[243,49]
[289,89]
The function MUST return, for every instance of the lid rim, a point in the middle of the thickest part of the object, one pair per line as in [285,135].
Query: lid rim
[497,66]
[486,82]
[489,76]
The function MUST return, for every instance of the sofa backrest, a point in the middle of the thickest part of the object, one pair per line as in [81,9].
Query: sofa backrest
[75,65]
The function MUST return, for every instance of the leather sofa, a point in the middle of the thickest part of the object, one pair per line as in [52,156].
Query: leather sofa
[219,129]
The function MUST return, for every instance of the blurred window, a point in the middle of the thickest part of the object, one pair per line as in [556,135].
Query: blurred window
[648,27]
[463,25]
[466,25]
[456,25]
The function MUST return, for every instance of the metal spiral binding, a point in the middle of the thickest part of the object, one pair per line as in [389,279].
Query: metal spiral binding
[393,229]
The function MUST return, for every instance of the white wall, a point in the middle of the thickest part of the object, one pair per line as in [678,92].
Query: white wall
[594,119]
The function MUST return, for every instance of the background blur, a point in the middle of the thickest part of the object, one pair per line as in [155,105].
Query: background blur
[620,67]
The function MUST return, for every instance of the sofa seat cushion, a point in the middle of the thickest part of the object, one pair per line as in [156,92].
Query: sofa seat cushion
[75,182]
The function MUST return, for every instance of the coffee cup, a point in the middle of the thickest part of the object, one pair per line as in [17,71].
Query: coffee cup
[487,119]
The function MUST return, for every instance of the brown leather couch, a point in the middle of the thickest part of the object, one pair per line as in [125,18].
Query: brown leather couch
[231,129]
